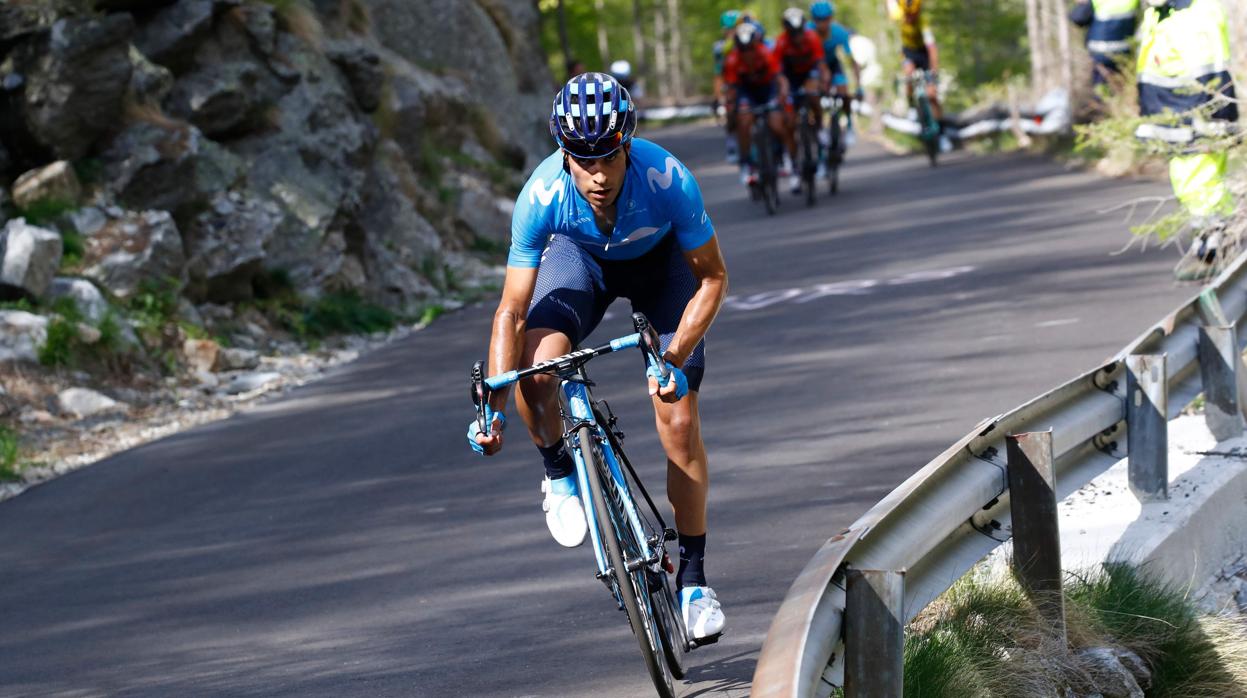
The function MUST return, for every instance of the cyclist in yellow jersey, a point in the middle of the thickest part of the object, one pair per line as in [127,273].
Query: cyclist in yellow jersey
[917,46]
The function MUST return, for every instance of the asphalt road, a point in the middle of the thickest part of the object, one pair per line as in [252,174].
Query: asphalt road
[343,541]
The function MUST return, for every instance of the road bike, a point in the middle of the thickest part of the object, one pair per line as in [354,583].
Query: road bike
[837,126]
[629,542]
[929,127]
[807,144]
[764,146]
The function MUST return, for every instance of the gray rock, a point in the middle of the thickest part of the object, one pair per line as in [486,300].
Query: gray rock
[51,183]
[83,402]
[88,299]
[149,83]
[233,359]
[29,258]
[170,35]
[226,245]
[260,25]
[202,355]
[21,335]
[362,68]
[1112,677]
[398,239]
[249,382]
[218,99]
[485,214]
[132,248]
[500,60]
[76,82]
[153,165]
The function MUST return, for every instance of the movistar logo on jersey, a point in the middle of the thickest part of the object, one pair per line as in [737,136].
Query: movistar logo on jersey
[539,192]
[662,180]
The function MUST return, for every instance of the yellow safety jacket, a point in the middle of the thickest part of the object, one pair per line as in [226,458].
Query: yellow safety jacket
[1112,26]
[1184,50]
[908,13]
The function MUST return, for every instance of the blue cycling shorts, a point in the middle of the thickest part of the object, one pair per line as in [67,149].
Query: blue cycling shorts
[839,79]
[574,289]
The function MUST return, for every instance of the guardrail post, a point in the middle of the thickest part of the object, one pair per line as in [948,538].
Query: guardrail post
[874,633]
[1218,368]
[1147,430]
[1036,534]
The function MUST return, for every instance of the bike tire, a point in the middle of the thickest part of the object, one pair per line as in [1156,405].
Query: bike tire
[930,131]
[809,161]
[834,155]
[661,590]
[766,166]
[615,534]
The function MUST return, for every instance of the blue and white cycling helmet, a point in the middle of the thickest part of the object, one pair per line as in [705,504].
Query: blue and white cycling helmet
[593,116]
[822,10]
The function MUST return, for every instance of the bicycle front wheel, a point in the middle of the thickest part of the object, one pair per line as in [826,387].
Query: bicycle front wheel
[622,552]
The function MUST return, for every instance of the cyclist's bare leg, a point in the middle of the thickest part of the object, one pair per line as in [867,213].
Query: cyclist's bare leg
[744,127]
[936,109]
[909,83]
[537,398]
[679,431]
[781,127]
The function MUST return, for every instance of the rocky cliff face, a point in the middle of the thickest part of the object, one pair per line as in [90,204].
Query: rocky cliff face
[215,145]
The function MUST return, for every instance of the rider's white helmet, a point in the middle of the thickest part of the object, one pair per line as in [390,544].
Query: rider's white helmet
[621,69]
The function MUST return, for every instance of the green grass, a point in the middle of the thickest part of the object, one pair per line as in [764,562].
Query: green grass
[45,212]
[984,638]
[72,249]
[345,313]
[8,454]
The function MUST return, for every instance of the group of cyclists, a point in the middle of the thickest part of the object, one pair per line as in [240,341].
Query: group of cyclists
[804,63]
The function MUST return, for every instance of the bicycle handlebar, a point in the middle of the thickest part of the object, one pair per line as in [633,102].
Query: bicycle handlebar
[645,337]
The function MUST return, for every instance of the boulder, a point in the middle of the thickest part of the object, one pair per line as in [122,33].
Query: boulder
[76,81]
[249,382]
[1112,678]
[149,83]
[83,402]
[485,214]
[164,164]
[21,335]
[226,244]
[361,66]
[84,295]
[29,258]
[130,248]
[170,36]
[233,359]
[201,354]
[52,183]
[218,100]
[259,22]
[499,60]
[398,241]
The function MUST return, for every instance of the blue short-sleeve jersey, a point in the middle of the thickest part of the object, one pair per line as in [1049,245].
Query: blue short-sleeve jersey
[837,38]
[659,198]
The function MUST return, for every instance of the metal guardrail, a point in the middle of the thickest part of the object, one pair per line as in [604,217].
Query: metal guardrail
[949,515]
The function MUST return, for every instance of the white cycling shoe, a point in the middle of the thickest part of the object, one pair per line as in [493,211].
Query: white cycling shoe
[565,516]
[702,614]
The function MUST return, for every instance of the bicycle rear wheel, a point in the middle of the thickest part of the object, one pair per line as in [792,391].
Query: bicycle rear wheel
[930,130]
[766,166]
[631,587]
[809,158]
[834,152]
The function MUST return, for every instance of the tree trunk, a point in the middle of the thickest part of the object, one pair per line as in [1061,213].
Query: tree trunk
[675,54]
[1236,13]
[603,46]
[662,76]
[563,43]
[640,61]
[1034,35]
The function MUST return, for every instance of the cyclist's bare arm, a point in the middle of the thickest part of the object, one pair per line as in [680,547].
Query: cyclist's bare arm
[934,52]
[506,341]
[706,263]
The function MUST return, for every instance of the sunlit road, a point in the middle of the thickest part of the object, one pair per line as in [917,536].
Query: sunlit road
[343,541]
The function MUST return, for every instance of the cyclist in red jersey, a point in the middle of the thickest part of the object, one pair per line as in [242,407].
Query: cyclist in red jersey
[752,73]
[801,57]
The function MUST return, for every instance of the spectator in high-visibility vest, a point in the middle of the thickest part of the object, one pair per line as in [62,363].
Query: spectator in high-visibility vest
[1183,70]
[1110,24]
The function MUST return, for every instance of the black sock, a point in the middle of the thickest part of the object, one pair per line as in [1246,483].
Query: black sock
[558,461]
[692,559]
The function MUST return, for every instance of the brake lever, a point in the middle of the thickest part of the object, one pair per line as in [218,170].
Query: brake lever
[651,343]
[480,397]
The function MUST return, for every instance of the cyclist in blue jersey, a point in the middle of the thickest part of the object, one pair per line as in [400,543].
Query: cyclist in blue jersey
[609,216]
[836,38]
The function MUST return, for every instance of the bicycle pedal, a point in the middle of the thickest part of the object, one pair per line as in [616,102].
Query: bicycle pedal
[703,641]
[669,534]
